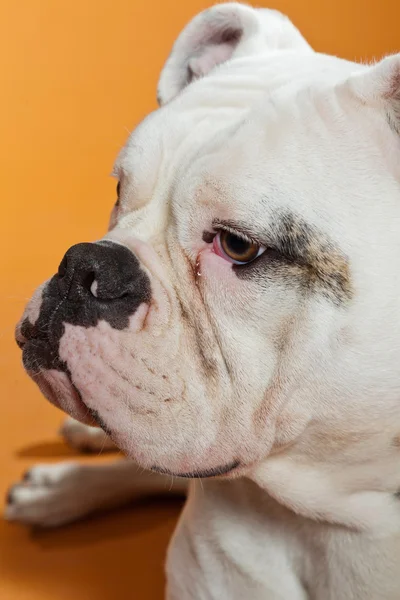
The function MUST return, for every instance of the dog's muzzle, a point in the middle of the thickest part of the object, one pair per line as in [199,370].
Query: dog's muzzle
[95,281]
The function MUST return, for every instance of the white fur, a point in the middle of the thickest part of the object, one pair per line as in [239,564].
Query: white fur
[301,386]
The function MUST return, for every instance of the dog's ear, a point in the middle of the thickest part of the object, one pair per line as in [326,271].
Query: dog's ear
[221,33]
[379,86]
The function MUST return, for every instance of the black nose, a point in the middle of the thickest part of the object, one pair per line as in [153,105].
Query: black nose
[102,280]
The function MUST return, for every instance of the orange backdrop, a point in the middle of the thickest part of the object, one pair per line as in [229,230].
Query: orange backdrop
[75,78]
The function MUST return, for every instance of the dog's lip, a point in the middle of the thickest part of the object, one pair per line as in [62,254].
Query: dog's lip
[201,474]
[56,384]
[67,398]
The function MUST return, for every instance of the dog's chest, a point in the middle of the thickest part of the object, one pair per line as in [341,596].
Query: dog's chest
[228,546]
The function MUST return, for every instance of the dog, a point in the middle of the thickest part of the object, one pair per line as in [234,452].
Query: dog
[237,327]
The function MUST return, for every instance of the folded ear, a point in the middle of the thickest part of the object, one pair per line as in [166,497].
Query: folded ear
[221,33]
[379,86]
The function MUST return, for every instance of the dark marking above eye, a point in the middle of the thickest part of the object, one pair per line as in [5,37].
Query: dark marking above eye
[299,252]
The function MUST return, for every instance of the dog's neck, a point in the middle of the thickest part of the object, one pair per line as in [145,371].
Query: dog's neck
[358,497]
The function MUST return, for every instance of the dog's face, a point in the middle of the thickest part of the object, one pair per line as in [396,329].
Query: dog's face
[245,300]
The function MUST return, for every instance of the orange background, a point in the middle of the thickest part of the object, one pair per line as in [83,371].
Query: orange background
[75,78]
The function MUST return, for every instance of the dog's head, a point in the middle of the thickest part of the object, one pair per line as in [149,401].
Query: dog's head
[245,300]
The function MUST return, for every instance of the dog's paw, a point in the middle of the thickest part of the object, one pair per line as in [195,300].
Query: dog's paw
[49,496]
[85,438]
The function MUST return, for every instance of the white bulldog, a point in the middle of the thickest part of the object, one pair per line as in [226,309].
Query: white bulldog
[239,322]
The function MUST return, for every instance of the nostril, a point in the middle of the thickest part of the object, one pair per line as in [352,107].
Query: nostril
[89,282]
[99,274]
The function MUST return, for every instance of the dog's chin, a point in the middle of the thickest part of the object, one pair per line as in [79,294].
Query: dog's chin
[57,387]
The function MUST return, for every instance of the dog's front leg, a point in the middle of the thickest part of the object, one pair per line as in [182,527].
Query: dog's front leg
[53,495]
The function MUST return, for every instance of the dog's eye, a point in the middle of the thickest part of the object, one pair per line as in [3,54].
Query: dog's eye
[235,248]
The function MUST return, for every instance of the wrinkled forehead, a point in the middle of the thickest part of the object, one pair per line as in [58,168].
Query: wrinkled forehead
[283,149]
[208,110]
[169,140]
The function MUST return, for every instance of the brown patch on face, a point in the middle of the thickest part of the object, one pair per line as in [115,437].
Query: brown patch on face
[296,251]
[396,441]
[324,267]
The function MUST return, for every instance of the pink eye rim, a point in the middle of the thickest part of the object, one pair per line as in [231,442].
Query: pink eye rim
[235,248]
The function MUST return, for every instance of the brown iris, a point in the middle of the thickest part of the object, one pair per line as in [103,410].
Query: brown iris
[236,248]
